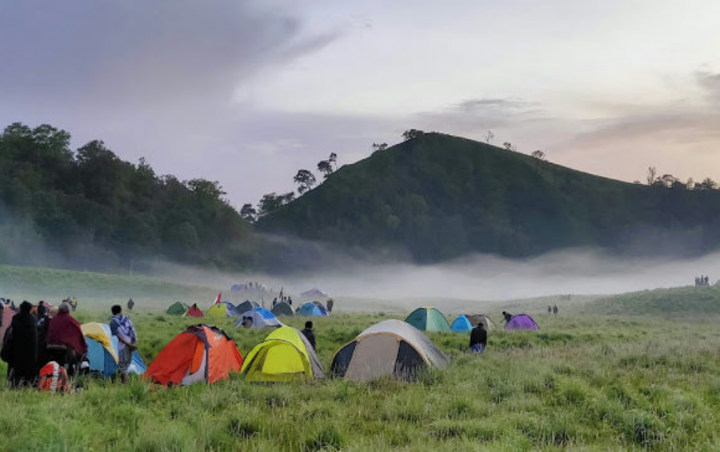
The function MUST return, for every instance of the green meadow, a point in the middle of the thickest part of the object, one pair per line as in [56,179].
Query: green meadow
[584,381]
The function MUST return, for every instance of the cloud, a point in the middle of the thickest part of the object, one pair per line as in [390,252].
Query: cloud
[145,53]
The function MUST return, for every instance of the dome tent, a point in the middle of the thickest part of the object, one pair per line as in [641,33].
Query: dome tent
[461,324]
[390,347]
[282,308]
[428,319]
[221,310]
[312,308]
[284,355]
[177,308]
[194,311]
[261,318]
[103,350]
[246,306]
[521,322]
[200,353]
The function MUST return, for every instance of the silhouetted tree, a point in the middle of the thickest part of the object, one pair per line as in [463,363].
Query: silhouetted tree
[325,167]
[706,184]
[488,136]
[248,213]
[305,180]
[412,133]
[540,155]
[333,159]
[379,146]
[651,174]
[509,146]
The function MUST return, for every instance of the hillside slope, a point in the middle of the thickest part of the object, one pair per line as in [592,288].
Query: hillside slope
[680,300]
[439,196]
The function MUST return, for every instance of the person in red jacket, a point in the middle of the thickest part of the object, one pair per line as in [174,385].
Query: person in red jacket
[65,341]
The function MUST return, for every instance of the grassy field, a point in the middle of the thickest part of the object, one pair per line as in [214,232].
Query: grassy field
[588,381]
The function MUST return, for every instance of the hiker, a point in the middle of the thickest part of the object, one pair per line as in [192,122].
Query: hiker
[330,303]
[130,304]
[20,348]
[73,303]
[43,322]
[65,341]
[549,309]
[555,309]
[289,300]
[507,316]
[308,332]
[122,328]
[478,339]
[274,301]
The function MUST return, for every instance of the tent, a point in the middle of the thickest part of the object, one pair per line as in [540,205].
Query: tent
[521,322]
[314,294]
[282,308]
[312,308]
[390,347]
[7,315]
[464,323]
[194,311]
[200,353]
[428,319]
[284,355]
[246,306]
[177,308]
[221,310]
[461,324]
[261,317]
[103,350]
[482,318]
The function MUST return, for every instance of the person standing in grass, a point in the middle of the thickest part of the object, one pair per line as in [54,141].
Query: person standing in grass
[124,330]
[65,341]
[308,333]
[20,348]
[478,339]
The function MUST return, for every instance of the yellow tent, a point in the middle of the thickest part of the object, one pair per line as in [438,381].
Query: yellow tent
[284,355]
[101,334]
[218,310]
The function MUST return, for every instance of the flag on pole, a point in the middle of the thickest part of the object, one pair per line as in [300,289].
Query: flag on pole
[218,298]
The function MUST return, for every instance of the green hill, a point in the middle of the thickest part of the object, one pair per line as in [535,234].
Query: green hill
[439,196]
[680,300]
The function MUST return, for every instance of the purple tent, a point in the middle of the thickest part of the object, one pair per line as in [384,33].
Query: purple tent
[521,322]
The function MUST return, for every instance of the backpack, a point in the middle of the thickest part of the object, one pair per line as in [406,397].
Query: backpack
[54,378]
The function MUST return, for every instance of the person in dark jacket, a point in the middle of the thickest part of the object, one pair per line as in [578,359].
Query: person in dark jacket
[507,316]
[130,304]
[20,348]
[43,322]
[478,339]
[309,334]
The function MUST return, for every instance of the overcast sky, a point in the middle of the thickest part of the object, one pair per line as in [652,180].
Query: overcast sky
[248,92]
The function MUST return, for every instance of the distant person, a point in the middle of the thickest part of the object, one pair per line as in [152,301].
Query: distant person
[20,348]
[274,301]
[130,304]
[507,316]
[289,300]
[330,303]
[65,341]
[555,310]
[549,309]
[122,328]
[309,334]
[43,322]
[478,339]
[707,280]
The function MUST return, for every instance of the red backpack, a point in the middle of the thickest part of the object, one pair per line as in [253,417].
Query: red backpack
[54,378]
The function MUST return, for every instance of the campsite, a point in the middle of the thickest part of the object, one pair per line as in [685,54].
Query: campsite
[587,378]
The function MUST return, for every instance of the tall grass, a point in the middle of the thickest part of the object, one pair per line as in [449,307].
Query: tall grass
[592,382]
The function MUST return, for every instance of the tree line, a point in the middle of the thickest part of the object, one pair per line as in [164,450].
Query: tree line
[88,203]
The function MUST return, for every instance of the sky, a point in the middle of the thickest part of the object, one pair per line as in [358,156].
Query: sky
[246,92]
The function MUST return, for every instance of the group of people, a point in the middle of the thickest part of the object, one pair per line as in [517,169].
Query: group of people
[37,336]
[287,300]
[702,281]
[552,309]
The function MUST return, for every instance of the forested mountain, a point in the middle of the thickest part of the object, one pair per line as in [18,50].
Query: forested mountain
[440,197]
[90,209]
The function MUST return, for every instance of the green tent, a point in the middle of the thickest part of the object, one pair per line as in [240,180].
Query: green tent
[428,319]
[177,308]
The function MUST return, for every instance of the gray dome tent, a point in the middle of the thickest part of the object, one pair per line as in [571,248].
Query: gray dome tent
[245,306]
[390,347]
[282,308]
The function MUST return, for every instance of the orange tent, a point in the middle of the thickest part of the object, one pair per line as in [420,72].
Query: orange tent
[200,353]
[194,311]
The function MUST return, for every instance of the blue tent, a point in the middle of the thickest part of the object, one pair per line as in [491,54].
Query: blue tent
[312,308]
[261,318]
[461,324]
[103,350]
